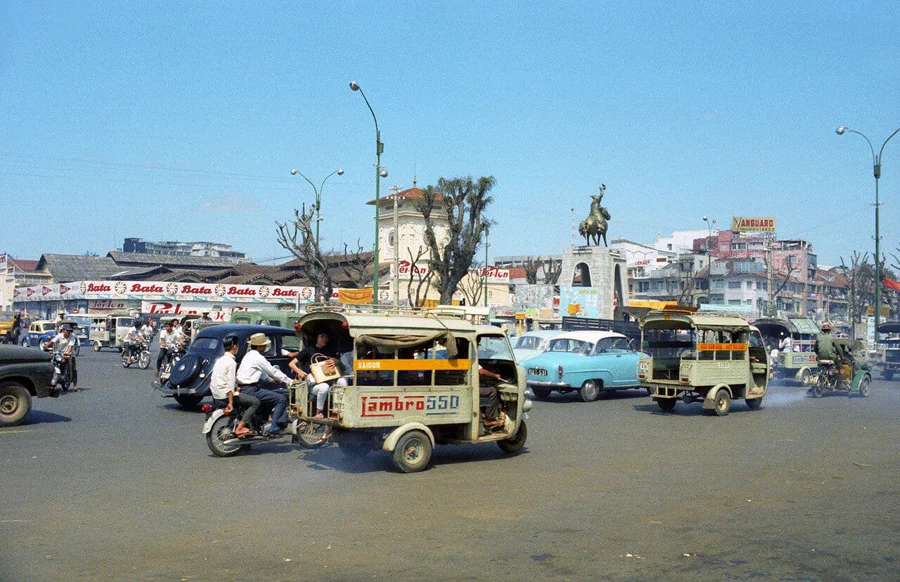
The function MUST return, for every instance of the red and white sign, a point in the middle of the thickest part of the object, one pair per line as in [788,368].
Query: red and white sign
[494,274]
[407,270]
[217,311]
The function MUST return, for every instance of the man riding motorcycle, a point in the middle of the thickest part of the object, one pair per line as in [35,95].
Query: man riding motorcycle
[64,343]
[134,341]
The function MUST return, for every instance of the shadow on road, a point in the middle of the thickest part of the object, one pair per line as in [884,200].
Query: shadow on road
[41,417]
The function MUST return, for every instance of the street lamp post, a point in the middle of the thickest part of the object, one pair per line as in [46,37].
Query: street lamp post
[876,165]
[379,148]
[486,245]
[318,191]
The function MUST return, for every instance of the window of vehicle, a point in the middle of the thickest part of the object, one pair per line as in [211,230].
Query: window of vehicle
[614,345]
[528,343]
[408,367]
[290,343]
[566,345]
[492,347]
[209,345]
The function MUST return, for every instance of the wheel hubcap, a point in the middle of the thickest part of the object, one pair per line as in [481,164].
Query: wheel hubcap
[8,405]
[413,451]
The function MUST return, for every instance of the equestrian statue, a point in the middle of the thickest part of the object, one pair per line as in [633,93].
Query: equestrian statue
[594,226]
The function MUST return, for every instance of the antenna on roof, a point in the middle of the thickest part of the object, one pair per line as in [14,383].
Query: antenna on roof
[573,227]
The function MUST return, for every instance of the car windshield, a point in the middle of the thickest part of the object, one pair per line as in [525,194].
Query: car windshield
[492,347]
[48,327]
[612,345]
[573,346]
[531,342]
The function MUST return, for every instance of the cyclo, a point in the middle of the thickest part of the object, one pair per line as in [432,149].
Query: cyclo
[713,358]
[414,383]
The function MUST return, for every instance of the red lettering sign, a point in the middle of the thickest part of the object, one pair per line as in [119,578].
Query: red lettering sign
[91,288]
[188,290]
[238,291]
[138,288]
[279,292]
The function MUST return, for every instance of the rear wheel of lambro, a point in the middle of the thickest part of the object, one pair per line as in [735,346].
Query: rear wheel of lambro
[754,403]
[804,376]
[541,393]
[723,402]
[413,452]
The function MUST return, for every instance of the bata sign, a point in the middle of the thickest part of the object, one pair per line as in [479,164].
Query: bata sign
[741,224]
[167,291]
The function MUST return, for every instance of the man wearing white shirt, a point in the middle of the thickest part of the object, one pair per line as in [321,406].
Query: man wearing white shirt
[64,343]
[223,385]
[168,340]
[255,368]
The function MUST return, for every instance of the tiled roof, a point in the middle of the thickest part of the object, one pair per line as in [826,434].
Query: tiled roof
[23,264]
[410,194]
[68,268]
[175,261]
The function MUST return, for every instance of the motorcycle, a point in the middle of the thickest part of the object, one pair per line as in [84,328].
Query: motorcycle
[219,430]
[62,377]
[841,378]
[171,359]
[139,354]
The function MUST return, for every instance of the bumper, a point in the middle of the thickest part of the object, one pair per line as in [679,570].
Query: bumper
[549,385]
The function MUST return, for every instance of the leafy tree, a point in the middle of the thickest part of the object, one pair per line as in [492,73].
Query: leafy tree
[461,202]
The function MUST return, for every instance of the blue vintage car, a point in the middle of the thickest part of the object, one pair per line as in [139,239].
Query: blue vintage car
[586,361]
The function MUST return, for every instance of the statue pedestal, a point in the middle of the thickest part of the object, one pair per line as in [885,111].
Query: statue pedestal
[602,270]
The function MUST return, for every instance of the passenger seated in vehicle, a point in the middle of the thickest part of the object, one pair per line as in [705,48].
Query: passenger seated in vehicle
[301,365]
[488,382]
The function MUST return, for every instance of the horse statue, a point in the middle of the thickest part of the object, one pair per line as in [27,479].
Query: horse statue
[595,225]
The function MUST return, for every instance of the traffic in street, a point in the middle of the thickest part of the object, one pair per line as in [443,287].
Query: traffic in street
[116,482]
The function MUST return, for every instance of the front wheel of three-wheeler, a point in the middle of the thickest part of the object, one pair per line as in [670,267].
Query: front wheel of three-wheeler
[413,452]
[754,403]
[514,444]
[722,402]
[864,386]
[311,435]
[666,404]
[589,391]
[804,376]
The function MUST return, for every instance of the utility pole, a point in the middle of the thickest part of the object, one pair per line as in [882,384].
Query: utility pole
[396,283]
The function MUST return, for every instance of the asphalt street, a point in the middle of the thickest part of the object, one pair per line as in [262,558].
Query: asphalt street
[117,483]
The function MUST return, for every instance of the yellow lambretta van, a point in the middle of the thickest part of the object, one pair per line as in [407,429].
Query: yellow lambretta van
[414,381]
[694,357]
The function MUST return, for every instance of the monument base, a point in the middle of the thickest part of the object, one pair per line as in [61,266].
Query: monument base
[600,269]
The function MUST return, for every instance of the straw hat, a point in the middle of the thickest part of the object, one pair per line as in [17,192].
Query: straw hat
[259,339]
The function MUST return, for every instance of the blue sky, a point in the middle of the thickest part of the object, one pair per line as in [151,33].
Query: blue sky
[181,121]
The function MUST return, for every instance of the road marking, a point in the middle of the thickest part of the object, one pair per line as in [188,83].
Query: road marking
[15,431]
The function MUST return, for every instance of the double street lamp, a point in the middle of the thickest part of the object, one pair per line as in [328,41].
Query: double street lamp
[379,174]
[876,165]
[318,191]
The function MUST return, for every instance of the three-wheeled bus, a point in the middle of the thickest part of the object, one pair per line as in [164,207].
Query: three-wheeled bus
[710,358]
[797,361]
[415,379]
[109,330]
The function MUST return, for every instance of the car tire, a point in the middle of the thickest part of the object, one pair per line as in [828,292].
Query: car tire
[515,443]
[15,403]
[413,452]
[541,393]
[754,403]
[188,401]
[589,391]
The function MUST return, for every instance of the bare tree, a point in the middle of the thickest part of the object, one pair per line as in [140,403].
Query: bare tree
[472,287]
[356,266]
[862,288]
[461,202]
[297,237]
[419,279]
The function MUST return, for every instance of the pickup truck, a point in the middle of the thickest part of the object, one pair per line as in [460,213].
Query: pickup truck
[24,373]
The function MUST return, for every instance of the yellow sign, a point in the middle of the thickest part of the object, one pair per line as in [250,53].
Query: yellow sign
[411,365]
[742,224]
[355,296]
[721,347]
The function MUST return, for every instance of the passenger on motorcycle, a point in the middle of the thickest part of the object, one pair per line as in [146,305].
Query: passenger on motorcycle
[147,331]
[300,365]
[255,368]
[134,341]
[64,343]
[225,392]
[168,341]
[827,351]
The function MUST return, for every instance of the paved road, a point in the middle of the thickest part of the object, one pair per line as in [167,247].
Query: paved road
[116,483]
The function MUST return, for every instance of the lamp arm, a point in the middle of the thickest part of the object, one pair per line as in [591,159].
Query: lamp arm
[885,143]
